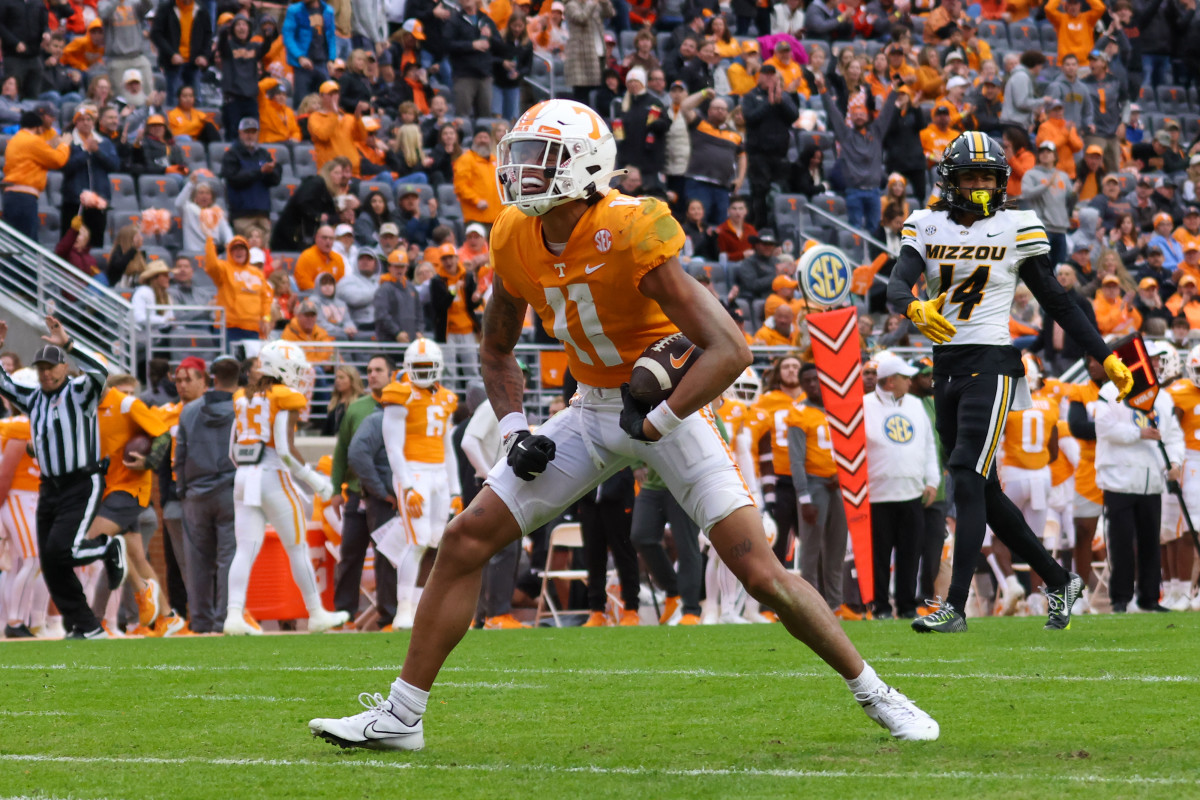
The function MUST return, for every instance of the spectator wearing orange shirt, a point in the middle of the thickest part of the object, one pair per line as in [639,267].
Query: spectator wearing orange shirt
[783,292]
[276,117]
[778,331]
[1189,231]
[241,290]
[474,250]
[937,135]
[475,181]
[304,328]
[1185,301]
[1074,25]
[28,158]
[186,121]
[335,133]
[1020,158]
[949,11]
[454,295]
[1065,137]
[84,52]
[317,259]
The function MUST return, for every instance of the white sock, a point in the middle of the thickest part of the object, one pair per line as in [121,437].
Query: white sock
[408,702]
[407,572]
[867,681]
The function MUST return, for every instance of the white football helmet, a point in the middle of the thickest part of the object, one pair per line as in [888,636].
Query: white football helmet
[558,151]
[285,362]
[1170,365]
[745,387]
[423,363]
[26,377]
[1192,367]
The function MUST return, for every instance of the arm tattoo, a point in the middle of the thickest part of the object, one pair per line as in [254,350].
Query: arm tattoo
[741,549]
[503,320]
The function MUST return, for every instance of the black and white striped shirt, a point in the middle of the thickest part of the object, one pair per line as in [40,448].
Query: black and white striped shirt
[64,424]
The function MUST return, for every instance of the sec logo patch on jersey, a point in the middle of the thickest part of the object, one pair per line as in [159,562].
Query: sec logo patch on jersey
[825,273]
[898,429]
[603,240]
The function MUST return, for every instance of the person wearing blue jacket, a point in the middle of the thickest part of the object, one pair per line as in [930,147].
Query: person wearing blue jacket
[92,158]
[310,41]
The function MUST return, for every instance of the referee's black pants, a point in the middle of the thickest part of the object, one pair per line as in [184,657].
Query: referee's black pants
[1133,522]
[66,507]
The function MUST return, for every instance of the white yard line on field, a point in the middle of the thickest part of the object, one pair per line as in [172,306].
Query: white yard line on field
[35,714]
[651,772]
[597,672]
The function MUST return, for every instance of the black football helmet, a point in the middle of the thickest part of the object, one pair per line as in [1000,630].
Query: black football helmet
[974,150]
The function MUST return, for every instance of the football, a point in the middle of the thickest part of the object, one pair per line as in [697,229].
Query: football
[661,366]
[138,445]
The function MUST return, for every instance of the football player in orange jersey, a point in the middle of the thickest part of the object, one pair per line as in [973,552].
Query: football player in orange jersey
[1177,546]
[263,490]
[25,594]
[1030,444]
[768,421]
[602,270]
[416,433]
[1088,502]
[127,488]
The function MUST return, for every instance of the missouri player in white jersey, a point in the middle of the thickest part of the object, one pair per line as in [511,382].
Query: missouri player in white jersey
[416,433]
[602,271]
[972,250]
[263,489]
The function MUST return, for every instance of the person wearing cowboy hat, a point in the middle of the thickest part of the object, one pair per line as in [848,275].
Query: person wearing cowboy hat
[155,280]
[757,271]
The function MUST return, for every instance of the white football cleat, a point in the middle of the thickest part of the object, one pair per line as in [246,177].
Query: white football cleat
[321,620]
[405,611]
[894,711]
[1014,593]
[377,728]
[731,617]
[236,625]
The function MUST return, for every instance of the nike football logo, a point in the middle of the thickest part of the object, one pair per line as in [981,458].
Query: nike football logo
[676,363]
[997,233]
[372,732]
[590,269]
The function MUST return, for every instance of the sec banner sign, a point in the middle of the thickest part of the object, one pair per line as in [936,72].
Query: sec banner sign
[824,274]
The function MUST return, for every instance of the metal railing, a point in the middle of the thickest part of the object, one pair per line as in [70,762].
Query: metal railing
[846,226]
[548,88]
[193,331]
[39,282]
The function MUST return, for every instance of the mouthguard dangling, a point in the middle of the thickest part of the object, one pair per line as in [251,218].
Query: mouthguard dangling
[982,197]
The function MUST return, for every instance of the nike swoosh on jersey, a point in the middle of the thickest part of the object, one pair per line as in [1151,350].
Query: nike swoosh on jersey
[588,270]
[676,363]
[997,233]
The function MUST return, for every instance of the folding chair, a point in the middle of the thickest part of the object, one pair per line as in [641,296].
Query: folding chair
[567,535]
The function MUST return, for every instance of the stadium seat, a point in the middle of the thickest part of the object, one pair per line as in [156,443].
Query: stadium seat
[1191,126]
[664,39]
[155,251]
[1049,38]
[626,41]
[281,153]
[1127,181]
[158,191]
[851,243]
[303,160]
[448,202]
[994,32]
[1146,99]
[216,152]
[829,203]
[1172,100]
[284,259]
[281,193]
[196,157]
[366,187]
[48,223]
[564,536]
[789,209]
[757,309]
[54,181]
[1024,36]
[824,45]
[822,139]
[123,184]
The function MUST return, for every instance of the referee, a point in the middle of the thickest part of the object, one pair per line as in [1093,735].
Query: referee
[66,441]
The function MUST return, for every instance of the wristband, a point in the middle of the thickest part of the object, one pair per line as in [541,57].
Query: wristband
[512,423]
[804,499]
[663,419]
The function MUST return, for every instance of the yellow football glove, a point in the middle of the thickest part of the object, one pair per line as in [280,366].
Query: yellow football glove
[414,503]
[1119,374]
[927,316]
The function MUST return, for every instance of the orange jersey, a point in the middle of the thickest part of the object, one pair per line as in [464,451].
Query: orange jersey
[587,298]
[428,419]
[1085,472]
[255,423]
[1027,434]
[733,414]
[1187,399]
[27,477]
[1060,468]
[818,460]
[123,416]
[770,416]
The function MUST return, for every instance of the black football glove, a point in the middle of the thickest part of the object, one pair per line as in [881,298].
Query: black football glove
[633,413]
[528,454]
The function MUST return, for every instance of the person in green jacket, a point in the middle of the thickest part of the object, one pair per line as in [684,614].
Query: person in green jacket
[934,535]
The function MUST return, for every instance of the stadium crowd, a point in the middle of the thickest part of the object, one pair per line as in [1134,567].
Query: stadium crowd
[326,172]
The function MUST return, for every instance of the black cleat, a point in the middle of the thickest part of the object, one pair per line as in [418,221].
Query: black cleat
[95,633]
[1060,600]
[18,632]
[115,565]
[946,619]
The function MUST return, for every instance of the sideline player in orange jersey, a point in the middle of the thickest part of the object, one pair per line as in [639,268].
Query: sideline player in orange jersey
[769,420]
[25,593]
[602,271]
[1089,500]
[1030,444]
[1176,543]
[263,490]
[127,488]
[416,433]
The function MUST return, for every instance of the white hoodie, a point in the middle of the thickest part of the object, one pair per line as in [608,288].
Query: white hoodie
[901,454]
[1125,462]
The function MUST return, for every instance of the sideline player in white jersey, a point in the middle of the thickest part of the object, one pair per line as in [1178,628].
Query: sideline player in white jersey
[416,433]
[25,595]
[972,250]
[263,490]
[602,271]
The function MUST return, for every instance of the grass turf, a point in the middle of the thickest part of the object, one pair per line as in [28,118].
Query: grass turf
[1106,709]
